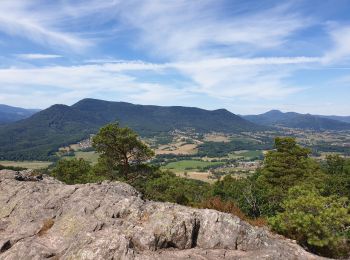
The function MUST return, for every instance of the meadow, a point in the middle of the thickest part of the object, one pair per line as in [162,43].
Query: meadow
[27,164]
[88,156]
[185,165]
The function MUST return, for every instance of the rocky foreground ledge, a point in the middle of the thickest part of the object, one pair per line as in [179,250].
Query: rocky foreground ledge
[42,218]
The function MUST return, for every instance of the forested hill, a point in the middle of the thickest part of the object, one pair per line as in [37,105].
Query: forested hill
[296,120]
[11,114]
[345,119]
[42,134]
[149,120]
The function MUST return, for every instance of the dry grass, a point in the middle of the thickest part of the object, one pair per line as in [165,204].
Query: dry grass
[201,176]
[145,217]
[177,148]
[48,223]
[229,207]
[35,165]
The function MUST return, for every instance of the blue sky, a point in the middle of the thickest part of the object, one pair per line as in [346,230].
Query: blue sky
[247,56]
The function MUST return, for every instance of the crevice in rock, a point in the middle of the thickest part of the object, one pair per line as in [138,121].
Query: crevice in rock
[58,203]
[163,244]
[169,244]
[12,195]
[12,210]
[156,241]
[129,248]
[131,244]
[236,244]
[195,232]
[240,238]
[6,246]
[99,227]
[51,256]
[117,215]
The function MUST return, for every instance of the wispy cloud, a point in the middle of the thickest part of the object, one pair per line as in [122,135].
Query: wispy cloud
[156,51]
[21,18]
[134,80]
[191,29]
[37,56]
[177,30]
[340,37]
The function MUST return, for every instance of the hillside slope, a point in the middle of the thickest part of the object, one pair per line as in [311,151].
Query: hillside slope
[42,134]
[147,119]
[345,119]
[10,114]
[47,219]
[296,120]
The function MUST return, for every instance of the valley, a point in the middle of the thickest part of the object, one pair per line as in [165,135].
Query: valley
[209,157]
[193,157]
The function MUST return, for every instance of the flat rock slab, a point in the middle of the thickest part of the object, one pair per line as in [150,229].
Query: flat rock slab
[42,218]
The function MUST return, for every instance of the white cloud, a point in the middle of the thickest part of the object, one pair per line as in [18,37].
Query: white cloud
[248,82]
[38,56]
[340,37]
[260,61]
[214,54]
[218,78]
[67,84]
[197,29]
[25,19]
[180,30]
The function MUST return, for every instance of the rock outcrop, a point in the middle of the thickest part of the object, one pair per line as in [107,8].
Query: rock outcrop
[42,218]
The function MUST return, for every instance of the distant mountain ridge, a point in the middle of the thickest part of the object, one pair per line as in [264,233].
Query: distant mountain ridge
[10,114]
[345,119]
[42,134]
[296,120]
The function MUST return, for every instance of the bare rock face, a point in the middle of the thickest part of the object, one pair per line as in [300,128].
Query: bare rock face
[42,218]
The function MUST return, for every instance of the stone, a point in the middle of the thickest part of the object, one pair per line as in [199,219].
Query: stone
[46,219]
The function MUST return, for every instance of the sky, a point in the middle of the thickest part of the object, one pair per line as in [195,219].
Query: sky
[248,56]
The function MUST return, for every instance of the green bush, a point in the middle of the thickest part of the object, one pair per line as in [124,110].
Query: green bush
[316,222]
[244,192]
[286,166]
[338,176]
[14,168]
[73,171]
[168,187]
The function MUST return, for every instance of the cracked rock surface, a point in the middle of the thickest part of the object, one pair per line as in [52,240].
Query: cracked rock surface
[42,218]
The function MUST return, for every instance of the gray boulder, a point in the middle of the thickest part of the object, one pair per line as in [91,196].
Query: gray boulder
[42,218]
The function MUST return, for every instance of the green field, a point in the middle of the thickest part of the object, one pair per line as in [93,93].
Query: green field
[250,154]
[88,156]
[187,165]
[26,164]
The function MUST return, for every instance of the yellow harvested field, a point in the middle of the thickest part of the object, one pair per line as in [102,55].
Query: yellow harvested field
[177,149]
[27,164]
[216,138]
[75,147]
[201,176]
